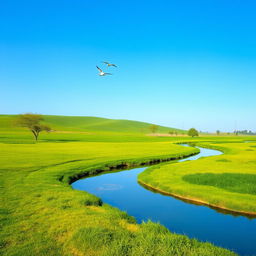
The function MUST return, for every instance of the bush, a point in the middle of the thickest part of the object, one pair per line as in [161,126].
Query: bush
[193,132]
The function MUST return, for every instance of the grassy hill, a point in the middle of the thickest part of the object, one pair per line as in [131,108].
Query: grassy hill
[90,124]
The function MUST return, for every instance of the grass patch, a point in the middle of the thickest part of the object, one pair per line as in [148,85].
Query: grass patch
[234,182]
[223,160]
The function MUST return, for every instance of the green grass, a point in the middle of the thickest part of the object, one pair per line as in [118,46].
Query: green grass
[234,182]
[226,181]
[42,215]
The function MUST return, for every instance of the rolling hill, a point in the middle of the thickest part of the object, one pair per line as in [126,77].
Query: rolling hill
[90,124]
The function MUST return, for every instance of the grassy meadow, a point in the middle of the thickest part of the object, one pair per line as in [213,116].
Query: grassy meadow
[42,215]
[226,181]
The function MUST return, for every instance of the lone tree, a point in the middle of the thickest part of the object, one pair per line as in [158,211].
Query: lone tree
[218,132]
[193,132]
[171,132]
[33,123]
[153,128]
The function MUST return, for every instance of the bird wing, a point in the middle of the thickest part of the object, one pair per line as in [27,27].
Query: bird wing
[107,73]
[105,62]
[114,65]
[98,68]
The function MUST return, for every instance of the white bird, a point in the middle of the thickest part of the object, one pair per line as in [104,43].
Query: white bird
[109,64]
[102,73]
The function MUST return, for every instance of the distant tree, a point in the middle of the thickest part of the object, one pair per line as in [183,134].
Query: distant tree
[217,132]
[236,133]
[193,132]
[33,123]
[153,128]
[171,132]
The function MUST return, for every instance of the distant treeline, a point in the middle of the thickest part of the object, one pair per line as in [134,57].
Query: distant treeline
[245,132]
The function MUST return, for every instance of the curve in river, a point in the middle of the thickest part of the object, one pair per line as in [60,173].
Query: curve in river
[121,189]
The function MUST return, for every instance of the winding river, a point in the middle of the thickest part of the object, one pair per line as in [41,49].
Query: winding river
[121,189]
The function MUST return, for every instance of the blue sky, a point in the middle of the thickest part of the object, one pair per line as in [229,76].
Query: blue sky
[181,63]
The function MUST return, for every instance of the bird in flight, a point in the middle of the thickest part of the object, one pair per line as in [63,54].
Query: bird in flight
[109,64]
[101,73]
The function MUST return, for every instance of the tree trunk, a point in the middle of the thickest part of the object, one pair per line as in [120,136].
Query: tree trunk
[35,134]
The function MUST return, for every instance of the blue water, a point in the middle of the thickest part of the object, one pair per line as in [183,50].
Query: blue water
[121,189]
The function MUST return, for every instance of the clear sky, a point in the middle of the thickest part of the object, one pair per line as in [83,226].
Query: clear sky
[181,63]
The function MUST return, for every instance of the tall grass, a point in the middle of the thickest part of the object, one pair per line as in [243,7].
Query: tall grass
[233,182]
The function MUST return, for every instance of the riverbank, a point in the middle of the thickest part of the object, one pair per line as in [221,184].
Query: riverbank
[197,181]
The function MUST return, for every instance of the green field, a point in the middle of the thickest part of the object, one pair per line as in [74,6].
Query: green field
[42,215]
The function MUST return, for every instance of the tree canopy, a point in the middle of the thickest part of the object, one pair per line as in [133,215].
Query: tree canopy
[153,128]
[193,132]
